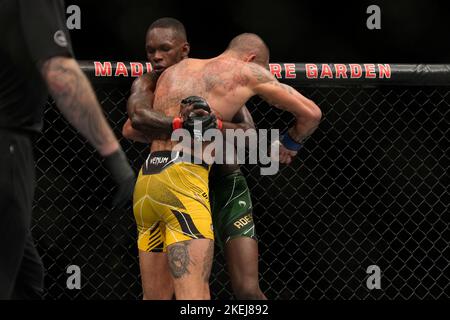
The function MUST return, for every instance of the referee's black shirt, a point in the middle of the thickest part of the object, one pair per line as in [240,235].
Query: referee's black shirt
[31,31]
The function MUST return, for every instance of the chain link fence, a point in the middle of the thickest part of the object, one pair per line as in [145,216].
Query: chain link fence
[370,187]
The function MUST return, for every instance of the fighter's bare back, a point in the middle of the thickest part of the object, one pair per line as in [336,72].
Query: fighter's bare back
[223,82]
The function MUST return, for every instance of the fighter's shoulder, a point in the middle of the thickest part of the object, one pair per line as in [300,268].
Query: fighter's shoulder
[149,77]
[257,73]
[191,60]
[147,81]
[186,63]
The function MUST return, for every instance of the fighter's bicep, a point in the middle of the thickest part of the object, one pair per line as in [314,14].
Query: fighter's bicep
[277,94]
[144,85]
[265,85]
[286,98]
[141,94]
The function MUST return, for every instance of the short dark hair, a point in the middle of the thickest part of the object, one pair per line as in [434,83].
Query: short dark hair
[250,42]
[170,23]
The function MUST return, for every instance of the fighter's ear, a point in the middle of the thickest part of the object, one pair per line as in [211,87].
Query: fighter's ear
[185,49]
[251,57]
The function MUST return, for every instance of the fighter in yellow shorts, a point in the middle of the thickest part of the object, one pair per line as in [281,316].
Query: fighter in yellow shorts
[177,208]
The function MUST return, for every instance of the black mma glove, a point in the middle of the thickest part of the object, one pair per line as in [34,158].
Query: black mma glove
[196,120]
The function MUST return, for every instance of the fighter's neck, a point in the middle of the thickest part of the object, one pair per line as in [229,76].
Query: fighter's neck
[229,54]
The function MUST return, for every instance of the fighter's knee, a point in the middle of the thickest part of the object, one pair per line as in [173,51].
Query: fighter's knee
[248,291]
[196,292]
[158,296]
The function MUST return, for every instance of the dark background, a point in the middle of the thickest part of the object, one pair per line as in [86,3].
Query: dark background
[369,188]
[310,30]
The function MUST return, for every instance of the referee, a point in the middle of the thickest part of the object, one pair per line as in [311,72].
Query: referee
[36,58]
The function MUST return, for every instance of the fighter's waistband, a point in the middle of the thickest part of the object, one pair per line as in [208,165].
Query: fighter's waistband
[218,179]
[159,160]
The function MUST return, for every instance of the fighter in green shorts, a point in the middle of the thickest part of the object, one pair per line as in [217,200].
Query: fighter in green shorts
[234,228]
[231,206]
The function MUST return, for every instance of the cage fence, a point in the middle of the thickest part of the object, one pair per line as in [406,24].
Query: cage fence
[370,187]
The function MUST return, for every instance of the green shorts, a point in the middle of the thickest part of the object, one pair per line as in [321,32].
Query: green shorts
[231,207]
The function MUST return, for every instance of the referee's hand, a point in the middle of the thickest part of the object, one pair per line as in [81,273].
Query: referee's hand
[123,176]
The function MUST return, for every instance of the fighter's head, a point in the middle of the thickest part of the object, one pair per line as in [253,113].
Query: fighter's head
[250,48]
[166,43]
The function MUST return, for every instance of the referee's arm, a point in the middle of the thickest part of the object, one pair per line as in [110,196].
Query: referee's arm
[76,100]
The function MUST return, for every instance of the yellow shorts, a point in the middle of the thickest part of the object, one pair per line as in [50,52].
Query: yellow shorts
[171,202]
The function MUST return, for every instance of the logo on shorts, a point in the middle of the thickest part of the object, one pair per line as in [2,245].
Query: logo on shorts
[242,222]
[60,38]
[242,203]
[158,160]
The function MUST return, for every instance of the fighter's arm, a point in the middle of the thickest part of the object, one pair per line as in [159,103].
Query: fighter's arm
[132,134]
[282,96]
[147,123]
[306,112]
[141,96]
